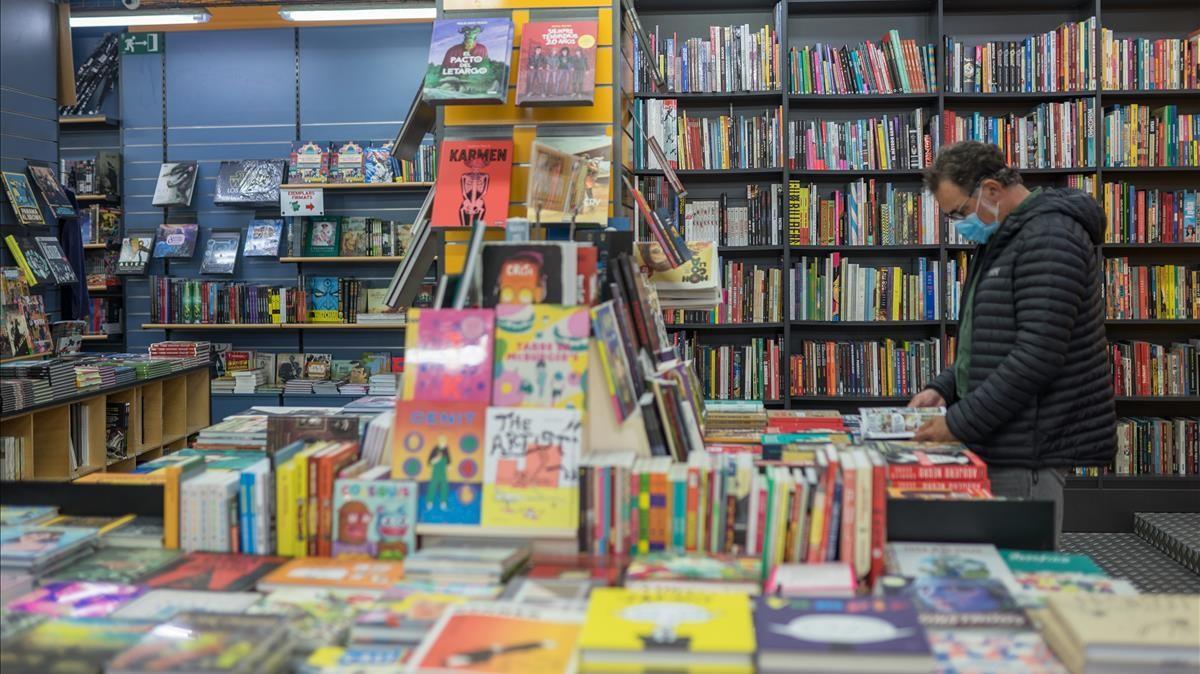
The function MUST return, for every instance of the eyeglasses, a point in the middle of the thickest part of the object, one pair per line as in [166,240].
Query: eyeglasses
[959,212]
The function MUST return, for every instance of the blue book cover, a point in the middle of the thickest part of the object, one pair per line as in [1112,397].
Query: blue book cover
[23,543]
[324,299]
[469,60]
[376,518]
[958,602]
[876,626]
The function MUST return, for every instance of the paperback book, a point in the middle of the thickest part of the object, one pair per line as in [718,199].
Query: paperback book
[176,183]
[439,446]
[448,355]
[262,237]
[531,468]
[176,241]
[346,162]
[541,356]
[309,162]
[951,603]
[534,272]
[208,642]
[159,605]
[22,199]
[896,423]
[558,63]
[45,177]
[135,253]
[473,183]
[374,518]
[214,572]
[250,181]
[321,237]
[53,253]
[76,599]
[569,179]
[468,61]
[498,638]
[220,252]
[971,561]
[69,645]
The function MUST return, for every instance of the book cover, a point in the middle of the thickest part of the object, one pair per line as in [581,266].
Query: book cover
[13,623]
[948,603]
[318,365]
[473,182]
[987,652]
[448,355]
[76,599]
[614,361]
[798,626]
[30,261]
[315,618]
[963,560]
[376,518]
[541,356]
[53,253]
[262,237]
[118,565]
[321,237]
[557,63]
[176,183]
[1167,624]
[220,252]
[324,299]
[1036,586]
[570,178]
[249,181]
[135,253]
[45,176]
[409,617]
[354,236]
[22,199]
[468,61]
[309,162]
[531,468]
[29,543]
[1034,561]
[439,446]
[663,567]
[176,241]
[159,605]
[621,620]
[377,164]
[206,642]
[335,574]
[527,273]
[291,366]
[499,638]
[68,645]
[346,162]
[215,572]
[882,423]
[11,516]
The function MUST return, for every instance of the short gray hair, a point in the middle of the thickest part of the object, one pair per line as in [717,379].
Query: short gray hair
[968,163]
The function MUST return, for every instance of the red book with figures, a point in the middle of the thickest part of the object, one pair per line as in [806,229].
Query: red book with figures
[558,63]
[472,183]
[214,572]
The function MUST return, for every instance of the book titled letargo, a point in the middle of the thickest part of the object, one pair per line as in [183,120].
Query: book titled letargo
[896,423]
[468,61]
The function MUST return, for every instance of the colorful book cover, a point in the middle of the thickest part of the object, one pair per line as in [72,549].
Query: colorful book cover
[315,618]
[220,252]
[205,642]
[448,355]
[346,162]
[176,241]
[376,518]
[309,162]
[75,599]
[569,179]
[215,572]
[662,567]
[411,616]
[542,272]
[499,638]
[46,178]
[961,560]
[70,645]
[21,198]
[161,604]
[356,659]
[33,542]
[473,183]
[250,181]
[317,366]
[335,574]
[321,237]
[621,620]
[290,366]
[558,63]
[354,236]
[531,468]
[11,516]
[262,237]
[1036,586]
[439,446]
[30,260]
[987,652]
[1035,561]
[135,254]
[879,627]
[176,183]
[618,371]
[541,356]
[377,164]
[958,602]
[13,623]
[118,565]
[324,299]
[468,61]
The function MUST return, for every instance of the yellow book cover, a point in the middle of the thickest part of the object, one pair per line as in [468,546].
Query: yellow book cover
[303,524]
[13,248]
[1163,623]
[621,621]
[541,356]
[531,468]
[285,503]
[101,524]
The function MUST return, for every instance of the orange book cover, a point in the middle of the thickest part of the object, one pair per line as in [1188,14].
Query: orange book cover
[323,572]
[473,183]
[330,465]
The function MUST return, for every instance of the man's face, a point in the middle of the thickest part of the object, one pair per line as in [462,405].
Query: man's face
[956,203]
[469,39]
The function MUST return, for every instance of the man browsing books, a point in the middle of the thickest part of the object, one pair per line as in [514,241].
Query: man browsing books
[1029,389]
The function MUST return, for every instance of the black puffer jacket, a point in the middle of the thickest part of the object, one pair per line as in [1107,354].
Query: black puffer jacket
[1039,393]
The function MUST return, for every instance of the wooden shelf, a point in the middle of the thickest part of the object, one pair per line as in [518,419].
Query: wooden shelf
[95,246]
[357,186]
[96,197]
[89,121]
[29,356]
[97,338]
[351,258]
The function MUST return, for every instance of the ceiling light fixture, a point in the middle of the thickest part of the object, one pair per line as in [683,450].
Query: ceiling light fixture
[136,18]
[353,13]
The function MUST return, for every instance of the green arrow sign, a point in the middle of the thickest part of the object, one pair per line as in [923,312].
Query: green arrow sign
[141,43]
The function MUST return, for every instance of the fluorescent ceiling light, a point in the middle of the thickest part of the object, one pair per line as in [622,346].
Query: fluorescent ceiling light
[352,13]
[135,18]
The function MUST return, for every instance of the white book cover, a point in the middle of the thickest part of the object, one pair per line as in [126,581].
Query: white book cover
[162,605]
[531,467]
[950,560]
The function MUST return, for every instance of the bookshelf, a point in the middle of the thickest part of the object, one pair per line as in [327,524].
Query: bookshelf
[838,22]
[359,186]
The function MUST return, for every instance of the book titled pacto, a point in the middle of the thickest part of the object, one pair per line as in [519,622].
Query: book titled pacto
[473,183]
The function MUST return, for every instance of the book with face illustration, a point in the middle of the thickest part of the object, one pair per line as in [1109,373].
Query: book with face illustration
[499,638]
[176,183]
[135,253]
[531,468]
[22,199]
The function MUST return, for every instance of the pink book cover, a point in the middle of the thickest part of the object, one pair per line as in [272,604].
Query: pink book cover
[448,355]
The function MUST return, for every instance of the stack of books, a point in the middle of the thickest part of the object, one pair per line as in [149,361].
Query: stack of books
[1092,632]
[40,549]
[300,386]
[17,393]
[222,385]
[191,353]
[383,384]
[236,432]
[450,565]
[59,373]
[248,381]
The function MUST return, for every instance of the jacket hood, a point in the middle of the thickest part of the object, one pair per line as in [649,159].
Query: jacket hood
[1075,204]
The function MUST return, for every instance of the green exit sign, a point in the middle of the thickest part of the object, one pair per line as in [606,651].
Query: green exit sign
[141,43]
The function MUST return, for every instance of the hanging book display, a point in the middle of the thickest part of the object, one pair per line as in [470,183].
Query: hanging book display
[468,61]
[45,176]
[569,179]
[472,183]
[176,184]
[22,199]
[250,182]
[557,64]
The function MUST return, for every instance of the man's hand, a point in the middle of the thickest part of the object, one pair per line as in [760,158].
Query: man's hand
[934,430]
[927,398]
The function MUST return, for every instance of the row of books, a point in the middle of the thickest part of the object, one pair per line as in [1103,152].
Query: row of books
[885,367]
[12,457]
[864,214]
[100,266]
[751,294]
[107,317]
[1052,135]
[349,237]
[734,141]
[748,371]
[832,288]
[1156,446]
[315,299]
[1148,64]
[100,223]
[316,162]
[733,58]
[887,142]
[1142,135]
[1147,215]
[100,174]
[1146,369]
[279,369]
[1162,292]
[1063,59]
[754,224]
[894,66]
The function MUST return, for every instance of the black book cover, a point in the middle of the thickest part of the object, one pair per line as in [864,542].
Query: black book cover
[56,259]
[42,272]
[250,181]
[529,273]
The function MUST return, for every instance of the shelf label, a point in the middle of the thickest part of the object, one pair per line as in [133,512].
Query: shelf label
[141,43]
[298,201]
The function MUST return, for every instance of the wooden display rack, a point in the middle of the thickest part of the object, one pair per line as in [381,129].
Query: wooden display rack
[163,412]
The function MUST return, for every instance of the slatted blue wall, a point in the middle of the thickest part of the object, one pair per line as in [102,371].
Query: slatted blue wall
[28,103]
[243,95]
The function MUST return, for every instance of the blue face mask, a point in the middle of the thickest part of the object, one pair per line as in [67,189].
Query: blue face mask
[973,228]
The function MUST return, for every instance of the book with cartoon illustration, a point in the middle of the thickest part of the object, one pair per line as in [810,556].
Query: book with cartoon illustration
[439,445]
[448,355]
[500,638]
[374,518]
[531,468]
[557,63]
[309,162]
[949,560]
[541,356]
[473,182]
[346,162]
[468,61]
[339,574]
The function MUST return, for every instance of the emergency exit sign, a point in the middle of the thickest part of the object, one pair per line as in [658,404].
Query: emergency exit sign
[141,43]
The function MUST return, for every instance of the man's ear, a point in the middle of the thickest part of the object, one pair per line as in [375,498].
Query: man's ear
[991,188]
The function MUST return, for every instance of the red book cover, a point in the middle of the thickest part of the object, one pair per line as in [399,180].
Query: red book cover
[557,63]
[472,183]
[878,514]
[907,462]
[849,509]
[214,572]
[331,464]
[960,486]
[586,269]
